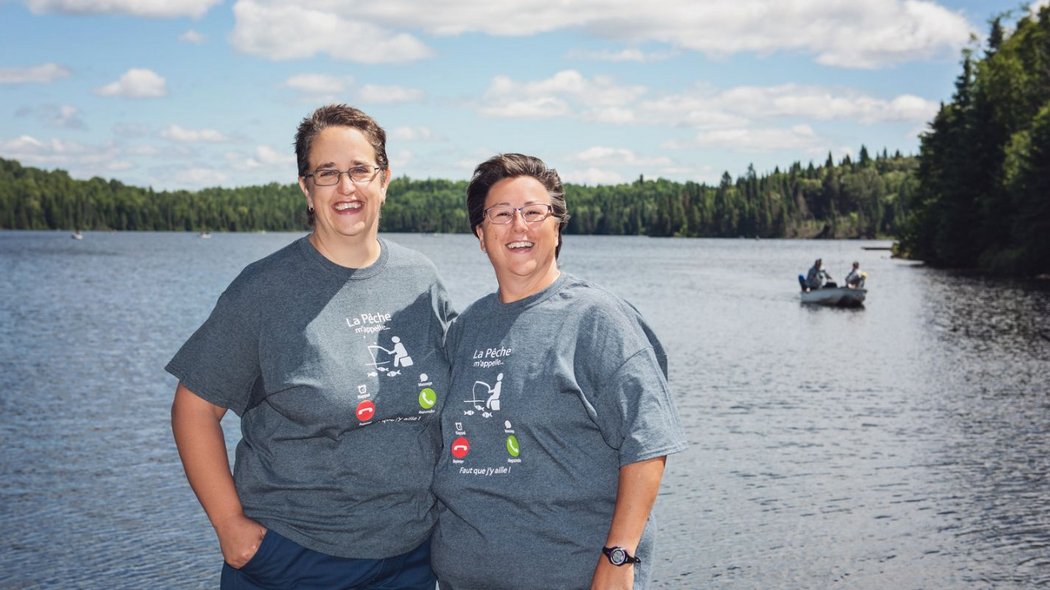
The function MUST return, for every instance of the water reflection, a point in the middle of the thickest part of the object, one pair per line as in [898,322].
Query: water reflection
[996,409]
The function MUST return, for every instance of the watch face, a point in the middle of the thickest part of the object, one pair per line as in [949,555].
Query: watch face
[618,556]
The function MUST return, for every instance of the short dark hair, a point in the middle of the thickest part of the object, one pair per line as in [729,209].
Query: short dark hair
[502,166]
[338,115]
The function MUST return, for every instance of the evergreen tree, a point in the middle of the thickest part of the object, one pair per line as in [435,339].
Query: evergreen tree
[981,193]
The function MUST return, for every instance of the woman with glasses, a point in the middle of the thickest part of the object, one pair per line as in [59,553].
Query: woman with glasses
[553,485]
[329,351]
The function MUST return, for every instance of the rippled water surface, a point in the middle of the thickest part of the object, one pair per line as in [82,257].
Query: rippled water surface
[902,445]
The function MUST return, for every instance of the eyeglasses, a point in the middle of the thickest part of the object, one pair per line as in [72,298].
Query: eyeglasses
[360,175]
[504,214]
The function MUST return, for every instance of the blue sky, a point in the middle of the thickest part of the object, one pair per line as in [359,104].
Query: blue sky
[187,94]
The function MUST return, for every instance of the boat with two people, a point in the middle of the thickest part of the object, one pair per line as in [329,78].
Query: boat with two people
[818,287]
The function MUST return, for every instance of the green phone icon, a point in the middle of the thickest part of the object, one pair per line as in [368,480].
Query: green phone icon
[427,398]
[512,446]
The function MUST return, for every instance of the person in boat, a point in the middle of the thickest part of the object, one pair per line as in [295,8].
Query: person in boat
[817,277]
[856,277]
[331,484]
[554,486]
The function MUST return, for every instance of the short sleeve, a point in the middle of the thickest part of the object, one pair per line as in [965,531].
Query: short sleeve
[635,411]
[624,378]
[220,361]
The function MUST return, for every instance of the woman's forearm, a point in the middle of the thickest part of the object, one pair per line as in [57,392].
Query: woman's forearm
[197,426]
[636,493]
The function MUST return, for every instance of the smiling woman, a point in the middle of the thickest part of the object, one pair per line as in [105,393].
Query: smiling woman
[520,237]
[344,197]
[562,445]
[312,347]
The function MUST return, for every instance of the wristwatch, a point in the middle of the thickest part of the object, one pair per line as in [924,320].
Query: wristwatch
[619,556]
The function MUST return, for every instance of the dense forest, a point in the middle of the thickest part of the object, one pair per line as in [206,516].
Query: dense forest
[846,199]
[983,195]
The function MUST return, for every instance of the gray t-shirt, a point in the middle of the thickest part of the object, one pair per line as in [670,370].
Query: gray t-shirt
[338,375]
[550,396]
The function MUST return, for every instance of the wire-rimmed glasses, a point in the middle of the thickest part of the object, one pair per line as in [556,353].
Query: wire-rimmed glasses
[359,175]
[504,214]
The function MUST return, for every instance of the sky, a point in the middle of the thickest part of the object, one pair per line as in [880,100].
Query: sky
[190,94]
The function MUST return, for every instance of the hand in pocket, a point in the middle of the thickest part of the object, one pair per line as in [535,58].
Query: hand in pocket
[239,540]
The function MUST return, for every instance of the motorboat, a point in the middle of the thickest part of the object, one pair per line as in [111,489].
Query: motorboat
[835,296]
[832,294]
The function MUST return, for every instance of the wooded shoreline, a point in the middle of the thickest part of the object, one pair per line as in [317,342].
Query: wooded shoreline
[863,199]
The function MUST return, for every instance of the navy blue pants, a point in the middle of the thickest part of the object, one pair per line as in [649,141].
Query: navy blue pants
[281,563]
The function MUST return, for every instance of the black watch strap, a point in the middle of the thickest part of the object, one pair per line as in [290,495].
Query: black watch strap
[619,556]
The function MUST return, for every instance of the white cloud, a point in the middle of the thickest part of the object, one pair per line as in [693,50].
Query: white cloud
[24,144]
[143,150]
[268,155]
[908,107]
[528,108]
[607,156]
[791,100]
[119,165]
[375,94]
[192,36]
[590,176]
[65,116]
[706,107]
[902,31]
[181,134]
[68,155]
[318,83]
[41,74]
[598,98]
[264,156]
[602,99]
[608,165]
[625,55]
[320,88]
[401,159]
[199,177]
[857,34]
[279,31]
[136,83]
[145,8]
[797,138]
[132,131]
[617,115]
[61,116]
[412,134]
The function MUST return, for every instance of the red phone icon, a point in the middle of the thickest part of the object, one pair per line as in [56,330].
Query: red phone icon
[365,410]
[460,447]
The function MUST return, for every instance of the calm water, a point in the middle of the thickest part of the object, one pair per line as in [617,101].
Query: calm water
[903,445]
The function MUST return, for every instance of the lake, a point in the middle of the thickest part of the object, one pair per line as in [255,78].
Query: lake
[901,445]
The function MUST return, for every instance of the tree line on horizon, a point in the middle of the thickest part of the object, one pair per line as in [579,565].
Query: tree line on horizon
[983,195]
[865,198]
